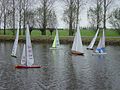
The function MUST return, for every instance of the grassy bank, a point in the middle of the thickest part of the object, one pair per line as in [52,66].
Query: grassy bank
[83,33]
[63,39]
[112,37]
[37,33]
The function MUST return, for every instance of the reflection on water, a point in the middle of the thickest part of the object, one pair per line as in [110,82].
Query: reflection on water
[63,72]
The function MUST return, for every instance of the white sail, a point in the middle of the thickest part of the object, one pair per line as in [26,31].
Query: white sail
[29,52]
[14,49]
[93,41]
[101,45]
[23,58]
[57,39]
[74,46]
[103,39]
[77,43]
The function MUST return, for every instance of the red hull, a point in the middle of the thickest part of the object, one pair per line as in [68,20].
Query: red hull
[34,66]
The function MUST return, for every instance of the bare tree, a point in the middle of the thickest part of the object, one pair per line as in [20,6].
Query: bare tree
[8,17]
[106,5]
[24,14]
[13,17]
[79,6]
[30,19]
[46,6]
[52,21]
[25,7]
[115,19]
[20,14]
[1,13]
[95,14]
[5,4]
[70,14]
[21,9]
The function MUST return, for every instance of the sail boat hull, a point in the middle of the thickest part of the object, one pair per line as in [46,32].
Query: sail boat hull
[99,53]
[25,67]
[77,53]
[13,56]
[27,60]
[89,48]
[100,50]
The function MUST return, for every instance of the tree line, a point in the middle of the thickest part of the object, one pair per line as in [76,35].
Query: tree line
[41,14]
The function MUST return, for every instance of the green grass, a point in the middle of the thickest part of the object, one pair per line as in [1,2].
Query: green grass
[62,33]
[64,37]
[112,33]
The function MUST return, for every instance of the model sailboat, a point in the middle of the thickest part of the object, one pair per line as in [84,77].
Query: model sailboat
[100,50]
[77,47]
[56,42]
[14,49]
[27,59]
[90,47]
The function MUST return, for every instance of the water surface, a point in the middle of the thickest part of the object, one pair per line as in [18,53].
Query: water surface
[63,72]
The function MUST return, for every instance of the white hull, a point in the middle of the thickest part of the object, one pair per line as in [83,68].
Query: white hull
[99,53]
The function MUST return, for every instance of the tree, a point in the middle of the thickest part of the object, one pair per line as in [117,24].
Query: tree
[70,14]
[95,14]
[106,5]
[24,15]
[1,13]
[115,19]
[20,14]
[30,19]
[13,17]
[5,9]
[52,22]
[79,5]
[44,13]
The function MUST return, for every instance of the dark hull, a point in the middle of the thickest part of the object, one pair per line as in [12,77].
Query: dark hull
[14,56]
[77,53]
[89,48]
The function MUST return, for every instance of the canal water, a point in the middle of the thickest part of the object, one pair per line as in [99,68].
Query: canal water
[61,71]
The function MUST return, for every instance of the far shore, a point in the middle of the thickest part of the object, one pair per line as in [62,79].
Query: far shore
[63,40]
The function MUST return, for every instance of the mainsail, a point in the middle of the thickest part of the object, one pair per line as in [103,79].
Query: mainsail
[77,43]
[57,39]
[56,42]
[93,41]
[101,45]
[27,59]
[29,52]
[14,49]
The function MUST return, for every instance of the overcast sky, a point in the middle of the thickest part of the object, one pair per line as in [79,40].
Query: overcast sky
[59,11]
[83,14]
